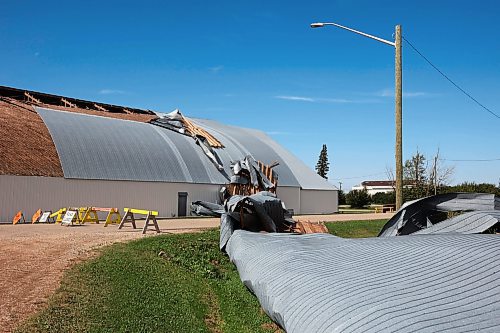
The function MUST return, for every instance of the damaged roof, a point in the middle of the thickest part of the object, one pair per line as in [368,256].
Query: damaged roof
[92,147]
[91,140]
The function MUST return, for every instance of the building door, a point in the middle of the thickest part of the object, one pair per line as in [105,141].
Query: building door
[182,203]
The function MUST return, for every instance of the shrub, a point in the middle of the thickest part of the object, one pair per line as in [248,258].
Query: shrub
[357,199]
[384,198]
[341,197]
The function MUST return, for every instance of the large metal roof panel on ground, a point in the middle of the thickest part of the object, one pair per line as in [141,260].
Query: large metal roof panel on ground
[92,147]
[322,283]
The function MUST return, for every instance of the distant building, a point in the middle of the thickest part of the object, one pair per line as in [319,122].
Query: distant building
[376,186]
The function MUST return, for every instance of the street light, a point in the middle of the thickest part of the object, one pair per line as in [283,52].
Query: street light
[398,101]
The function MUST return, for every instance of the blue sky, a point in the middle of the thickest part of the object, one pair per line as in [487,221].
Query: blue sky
[258,64]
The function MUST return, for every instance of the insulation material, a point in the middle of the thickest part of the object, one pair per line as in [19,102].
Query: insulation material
[322,283]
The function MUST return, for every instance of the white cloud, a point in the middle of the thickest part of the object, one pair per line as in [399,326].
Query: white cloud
[324,100]
[111,92]
[296,98]
[216,69]
[390,93]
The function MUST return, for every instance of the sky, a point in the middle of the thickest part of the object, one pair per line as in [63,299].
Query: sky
[258,64]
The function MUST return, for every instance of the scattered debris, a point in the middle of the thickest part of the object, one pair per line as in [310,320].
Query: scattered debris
[307,227]
[251,176]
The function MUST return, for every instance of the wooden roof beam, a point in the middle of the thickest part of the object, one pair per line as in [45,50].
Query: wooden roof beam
[100,108]
[31,98]
[68,103]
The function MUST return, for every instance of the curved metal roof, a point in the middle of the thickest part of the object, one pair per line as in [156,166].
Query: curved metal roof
[92,147]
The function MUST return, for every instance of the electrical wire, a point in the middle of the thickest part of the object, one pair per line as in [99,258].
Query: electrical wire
[478,160]
[357,177]
[450,80]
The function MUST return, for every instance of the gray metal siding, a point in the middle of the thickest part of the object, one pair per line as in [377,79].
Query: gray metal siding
[322,283]
[29,193]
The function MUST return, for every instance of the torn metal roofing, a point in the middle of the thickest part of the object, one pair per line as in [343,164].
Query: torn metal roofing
[467,223]
[92,147]
[322,283]
[422,213]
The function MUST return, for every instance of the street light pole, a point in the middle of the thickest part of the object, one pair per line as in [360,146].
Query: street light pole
[399,119]
[398,101]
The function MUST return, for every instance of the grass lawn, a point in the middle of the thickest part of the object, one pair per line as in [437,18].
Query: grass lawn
[356,229]
[130,288]
[190,287]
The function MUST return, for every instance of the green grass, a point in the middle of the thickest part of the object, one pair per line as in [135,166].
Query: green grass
[356,229]
[192,287]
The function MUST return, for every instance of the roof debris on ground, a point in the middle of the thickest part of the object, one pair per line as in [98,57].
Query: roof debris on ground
[447,281]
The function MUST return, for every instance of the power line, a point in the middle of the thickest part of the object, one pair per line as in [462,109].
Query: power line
[472,160]
[357,177]
[451,81]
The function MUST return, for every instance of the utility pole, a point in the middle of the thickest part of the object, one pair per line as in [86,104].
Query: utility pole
[399,100]
[340,183]
[399,119]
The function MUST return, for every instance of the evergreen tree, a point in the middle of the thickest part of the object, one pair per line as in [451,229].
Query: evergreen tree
[322,166]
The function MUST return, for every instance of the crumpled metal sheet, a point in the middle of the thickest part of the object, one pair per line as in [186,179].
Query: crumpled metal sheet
[322,283]
[419,214]
[247,171]
[204,208]
[467,223]
[262,211]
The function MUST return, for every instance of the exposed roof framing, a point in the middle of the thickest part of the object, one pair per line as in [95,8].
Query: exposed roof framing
[49,99]
[68,103]
[31,98]
[100,108]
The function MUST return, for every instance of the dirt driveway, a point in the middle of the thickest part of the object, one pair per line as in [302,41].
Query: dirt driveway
[33,257]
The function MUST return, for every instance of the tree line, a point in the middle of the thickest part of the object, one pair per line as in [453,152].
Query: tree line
[421,178]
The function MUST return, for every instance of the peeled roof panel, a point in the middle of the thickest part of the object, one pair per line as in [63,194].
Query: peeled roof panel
[289,163]
[322,283]
[92,147]
[201,169]
[259,149]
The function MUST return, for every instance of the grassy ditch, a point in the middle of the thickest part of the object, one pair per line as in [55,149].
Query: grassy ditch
[169,283]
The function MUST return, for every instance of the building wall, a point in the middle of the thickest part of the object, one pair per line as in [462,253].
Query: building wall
[290,196]
[29,193]
[318,202]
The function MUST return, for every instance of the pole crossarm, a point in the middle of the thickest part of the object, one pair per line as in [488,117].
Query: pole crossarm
[322,24]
